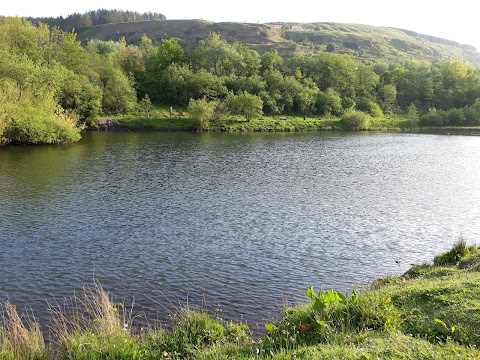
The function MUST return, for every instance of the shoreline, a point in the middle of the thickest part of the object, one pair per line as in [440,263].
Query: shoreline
[184,124]
[430,309]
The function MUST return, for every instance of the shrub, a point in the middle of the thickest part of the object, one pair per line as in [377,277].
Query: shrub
[370,107]
[453,256]
[27,124]
[434,117]
[202,112]
[355,120]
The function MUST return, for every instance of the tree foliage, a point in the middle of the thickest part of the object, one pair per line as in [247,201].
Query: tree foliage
[355,120]
[202,112]
[48,78]
[245,104]
[51,85]
[97,17]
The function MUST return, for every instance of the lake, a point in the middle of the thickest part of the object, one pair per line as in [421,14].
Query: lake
[238,224]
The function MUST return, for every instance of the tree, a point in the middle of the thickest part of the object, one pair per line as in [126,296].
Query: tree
[169,52]
[80,95]
[179,84]
[330,70]
[252,84]
[411,120]
[202,112]
[271,61]
[248,105]
[305,100]
[250,61]
[329,102]
[217,56]
[387,97]
[145,105]
[119,96]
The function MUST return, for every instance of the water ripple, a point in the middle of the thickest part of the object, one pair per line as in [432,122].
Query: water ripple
[239,224]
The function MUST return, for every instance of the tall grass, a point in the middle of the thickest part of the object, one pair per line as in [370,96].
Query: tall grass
[431,312]
[20,338]
[194,332]
[90,326]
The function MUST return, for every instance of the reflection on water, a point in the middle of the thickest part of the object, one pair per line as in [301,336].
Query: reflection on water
[239,223]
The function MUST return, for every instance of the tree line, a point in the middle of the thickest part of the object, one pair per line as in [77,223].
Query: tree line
[51,85]
[96,17]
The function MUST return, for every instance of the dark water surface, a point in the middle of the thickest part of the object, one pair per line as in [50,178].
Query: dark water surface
[237,223]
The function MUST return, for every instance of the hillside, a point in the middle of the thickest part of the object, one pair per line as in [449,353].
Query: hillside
[362,41]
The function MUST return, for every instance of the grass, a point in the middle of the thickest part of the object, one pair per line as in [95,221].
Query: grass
[154,123]
[163,121]
[430,312]
[20,338]
[160,119]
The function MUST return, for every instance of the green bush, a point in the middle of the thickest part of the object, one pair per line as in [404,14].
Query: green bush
[370,107]
[355,120]
[453,256]
[27,124]
[201,111]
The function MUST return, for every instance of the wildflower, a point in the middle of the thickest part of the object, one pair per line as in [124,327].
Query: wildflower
[303,327]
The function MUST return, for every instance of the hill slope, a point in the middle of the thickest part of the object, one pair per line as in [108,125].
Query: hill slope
[362,41]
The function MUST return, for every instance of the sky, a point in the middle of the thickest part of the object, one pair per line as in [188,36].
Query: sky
[452,20]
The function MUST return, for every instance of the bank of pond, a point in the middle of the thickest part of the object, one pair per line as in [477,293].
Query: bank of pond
[430,312]
[33,128]
[355,121]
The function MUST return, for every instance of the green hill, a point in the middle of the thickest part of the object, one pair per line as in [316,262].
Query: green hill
[362,41]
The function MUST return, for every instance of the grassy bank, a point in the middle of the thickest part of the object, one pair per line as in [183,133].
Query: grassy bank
[430,312]
[184,123]
[160,119]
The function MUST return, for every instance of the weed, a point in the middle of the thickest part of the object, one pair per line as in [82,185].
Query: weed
[196,331]
[20,338]
[329,315]
[452,257]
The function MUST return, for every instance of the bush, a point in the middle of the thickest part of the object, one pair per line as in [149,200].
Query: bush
[434,117]
[452,257]
[370,107]
[202,112]
[26,124]
[355,120]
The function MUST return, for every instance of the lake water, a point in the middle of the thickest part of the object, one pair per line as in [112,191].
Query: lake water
[239,224]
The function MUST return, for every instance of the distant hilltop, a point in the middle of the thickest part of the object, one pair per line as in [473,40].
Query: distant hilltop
[362,41]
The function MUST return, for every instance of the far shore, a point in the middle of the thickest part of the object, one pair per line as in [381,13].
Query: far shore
[264,124]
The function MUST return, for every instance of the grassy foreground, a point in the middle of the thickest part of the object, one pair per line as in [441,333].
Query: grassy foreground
[430,312]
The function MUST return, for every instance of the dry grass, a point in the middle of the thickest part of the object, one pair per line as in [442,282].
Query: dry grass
[20,337]
[91,311]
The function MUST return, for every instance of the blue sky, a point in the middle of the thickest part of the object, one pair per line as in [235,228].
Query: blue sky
[451,20]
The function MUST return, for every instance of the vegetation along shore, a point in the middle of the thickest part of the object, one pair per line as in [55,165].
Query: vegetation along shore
[53,85]
[430,312]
